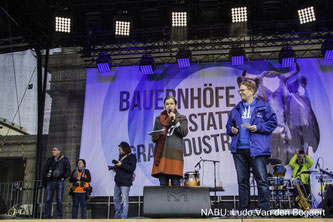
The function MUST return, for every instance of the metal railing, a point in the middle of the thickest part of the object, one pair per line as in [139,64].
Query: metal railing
[18,197]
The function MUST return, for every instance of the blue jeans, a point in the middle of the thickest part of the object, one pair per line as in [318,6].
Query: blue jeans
[164,180]
[243,163]
[52,186]
[120,198]
[79,198]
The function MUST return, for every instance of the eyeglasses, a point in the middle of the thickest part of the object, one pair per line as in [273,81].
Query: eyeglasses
[242,90]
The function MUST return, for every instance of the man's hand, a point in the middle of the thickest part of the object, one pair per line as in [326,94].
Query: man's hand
[253,128]
[234,130]
[118,164]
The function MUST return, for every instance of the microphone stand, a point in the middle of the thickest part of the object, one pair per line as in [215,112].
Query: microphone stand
[198,164]
[321,185]
[214,162]
[321,182]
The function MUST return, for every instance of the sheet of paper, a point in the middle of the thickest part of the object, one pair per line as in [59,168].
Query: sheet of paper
[155,132]
[246,125]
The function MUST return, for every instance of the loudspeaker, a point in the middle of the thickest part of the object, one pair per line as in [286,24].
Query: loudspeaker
[3,207]
[161,201]
[328,201]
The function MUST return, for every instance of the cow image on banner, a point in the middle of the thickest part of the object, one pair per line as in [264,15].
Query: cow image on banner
[297,124]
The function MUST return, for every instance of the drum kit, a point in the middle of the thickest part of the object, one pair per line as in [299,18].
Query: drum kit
[281,187]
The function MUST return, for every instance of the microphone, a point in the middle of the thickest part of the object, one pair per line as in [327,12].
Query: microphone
[234,123]
[317,164]
[172,118]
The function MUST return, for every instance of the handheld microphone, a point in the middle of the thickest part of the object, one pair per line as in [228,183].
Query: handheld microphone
[317,164]
[234,123]
[172,118]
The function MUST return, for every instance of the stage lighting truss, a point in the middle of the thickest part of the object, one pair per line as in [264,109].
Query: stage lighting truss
[287,57]
[147,64]
[179,19]
[306,15]
[239,14]
[237,56]
[104,62]
[183,57]
[327,49]
[122,28]
[62,24]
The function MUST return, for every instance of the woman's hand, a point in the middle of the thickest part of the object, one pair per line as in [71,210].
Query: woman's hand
[156,137]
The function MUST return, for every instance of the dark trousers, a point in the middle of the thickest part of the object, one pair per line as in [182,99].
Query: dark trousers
[243,163]
[51,187]
[164,180]
[79,199]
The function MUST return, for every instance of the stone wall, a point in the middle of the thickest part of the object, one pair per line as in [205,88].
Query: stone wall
[19,147]
[67,91]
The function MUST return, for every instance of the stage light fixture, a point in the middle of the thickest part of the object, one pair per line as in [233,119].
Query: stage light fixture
[62,24]
[122,28]
[237,56]
[239,14]
[327,49]
[306,15]
[179,19]
[183,57]
[104,62]
[147,64]
[287,57]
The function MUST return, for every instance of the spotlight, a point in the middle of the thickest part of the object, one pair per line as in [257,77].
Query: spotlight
[104,62]
[327,49]
[122,28]
[287,57]
[62,24]
[122,25]
[147,64]
[183,57]
[237,56]
[306,15]
[179,19]
[239,14]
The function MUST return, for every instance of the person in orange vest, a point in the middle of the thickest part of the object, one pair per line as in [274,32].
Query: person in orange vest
[80,179]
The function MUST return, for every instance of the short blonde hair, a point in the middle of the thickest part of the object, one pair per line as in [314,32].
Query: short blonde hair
[249,85]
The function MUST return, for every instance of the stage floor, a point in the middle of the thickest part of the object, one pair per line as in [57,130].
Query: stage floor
[182,220]
[279,215]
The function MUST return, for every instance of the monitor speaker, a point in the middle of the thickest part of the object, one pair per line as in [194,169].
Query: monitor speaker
[162,201]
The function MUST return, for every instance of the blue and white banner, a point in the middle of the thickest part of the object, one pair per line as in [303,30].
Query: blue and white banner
[121,106]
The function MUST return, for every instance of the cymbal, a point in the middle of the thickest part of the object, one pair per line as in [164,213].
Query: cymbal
[309,172]
[273,161]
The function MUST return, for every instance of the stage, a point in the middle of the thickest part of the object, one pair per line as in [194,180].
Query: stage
[280,215]
[185,220]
